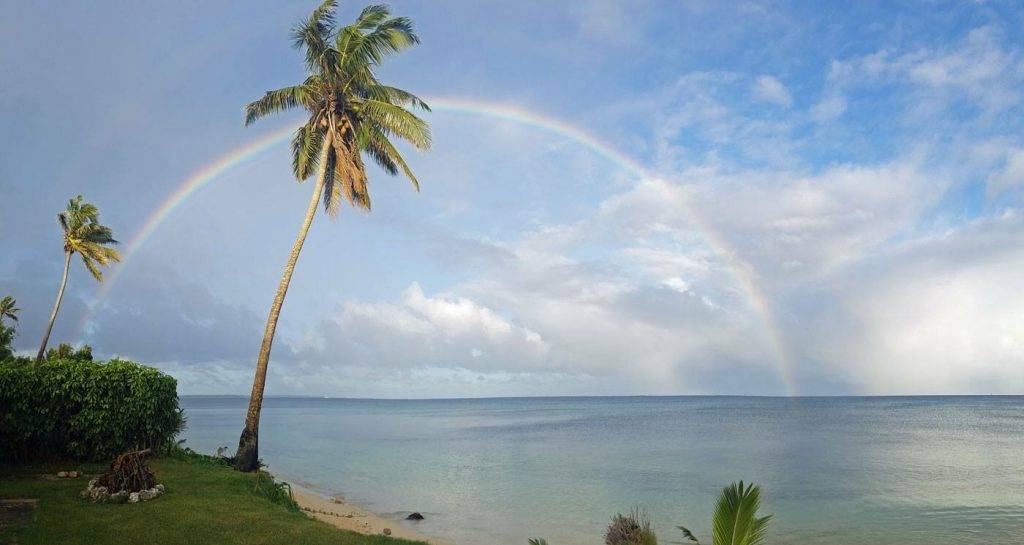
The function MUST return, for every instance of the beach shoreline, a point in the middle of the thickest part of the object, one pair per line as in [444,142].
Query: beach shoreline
[347,516]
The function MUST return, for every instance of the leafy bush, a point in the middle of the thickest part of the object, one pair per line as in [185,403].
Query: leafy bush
[84,410]
[178,451]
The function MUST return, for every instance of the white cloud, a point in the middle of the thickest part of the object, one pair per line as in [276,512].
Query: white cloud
[603,22]
[698,108]
[779,220]
[1010,175]
[829,108]
[769,89]
[978,69]
[422,331]
[940,315]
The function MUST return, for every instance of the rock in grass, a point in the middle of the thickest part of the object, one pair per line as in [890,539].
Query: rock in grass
[62,474]
[387,531]
[414,516]
[99,494]
[133,497]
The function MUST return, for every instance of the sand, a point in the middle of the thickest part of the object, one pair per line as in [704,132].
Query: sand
[350,517]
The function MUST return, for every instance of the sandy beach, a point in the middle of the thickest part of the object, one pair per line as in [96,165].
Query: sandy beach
[350,517]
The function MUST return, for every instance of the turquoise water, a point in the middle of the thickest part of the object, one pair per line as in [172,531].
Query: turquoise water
[835,471]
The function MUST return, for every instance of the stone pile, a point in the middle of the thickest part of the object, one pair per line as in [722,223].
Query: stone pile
[97,493]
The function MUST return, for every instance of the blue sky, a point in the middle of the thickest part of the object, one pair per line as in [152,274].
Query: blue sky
[833,203]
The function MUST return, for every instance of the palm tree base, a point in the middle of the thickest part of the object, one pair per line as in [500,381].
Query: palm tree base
[247,457]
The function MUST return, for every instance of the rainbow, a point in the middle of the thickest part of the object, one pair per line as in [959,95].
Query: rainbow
[742,272]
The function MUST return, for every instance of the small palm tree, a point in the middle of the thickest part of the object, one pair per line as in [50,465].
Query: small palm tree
[735,521]
[350,114]
[8,309]
[65,351]
[84,235]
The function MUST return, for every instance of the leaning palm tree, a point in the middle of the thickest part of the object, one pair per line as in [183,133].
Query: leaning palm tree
[350,113]
[8,309]
[86,236]
[735,521]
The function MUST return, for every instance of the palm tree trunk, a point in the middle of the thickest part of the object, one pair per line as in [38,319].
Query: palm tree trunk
[247,456]
[56,307]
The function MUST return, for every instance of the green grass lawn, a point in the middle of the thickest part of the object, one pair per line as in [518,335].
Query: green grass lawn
[204,504]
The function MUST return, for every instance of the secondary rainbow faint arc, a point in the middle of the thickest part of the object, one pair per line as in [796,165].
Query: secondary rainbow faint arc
[741,271]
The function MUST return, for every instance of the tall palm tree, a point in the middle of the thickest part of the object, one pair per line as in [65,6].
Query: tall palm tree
[735,521]
[86,236]
[8,309]
[350,114]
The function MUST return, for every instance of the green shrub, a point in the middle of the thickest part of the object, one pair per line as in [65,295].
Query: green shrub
[84,410]
[278,492]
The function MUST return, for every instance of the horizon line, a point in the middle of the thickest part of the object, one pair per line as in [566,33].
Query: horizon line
[610,396]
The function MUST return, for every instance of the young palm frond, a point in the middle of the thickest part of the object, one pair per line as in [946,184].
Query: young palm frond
[538,541]
[735,521]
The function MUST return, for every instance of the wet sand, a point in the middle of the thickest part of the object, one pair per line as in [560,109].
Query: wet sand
[350,517]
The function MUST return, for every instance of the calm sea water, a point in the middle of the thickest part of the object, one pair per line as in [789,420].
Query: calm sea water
[835,471]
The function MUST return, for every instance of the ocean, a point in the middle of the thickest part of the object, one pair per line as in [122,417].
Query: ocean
[833,471]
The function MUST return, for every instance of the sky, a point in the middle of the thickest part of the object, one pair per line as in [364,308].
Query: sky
[665,197]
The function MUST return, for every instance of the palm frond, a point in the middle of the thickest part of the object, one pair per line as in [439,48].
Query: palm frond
[306,146]
[389,37]
[538,541]
[396,120]
[371,16]
[735,521]
[314,35]
[350,171]
[88,211]
[384,153]
[8,308]
[93,269]
[688,534]
[394,95]
[96,234]
[332,184]
[277,100]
